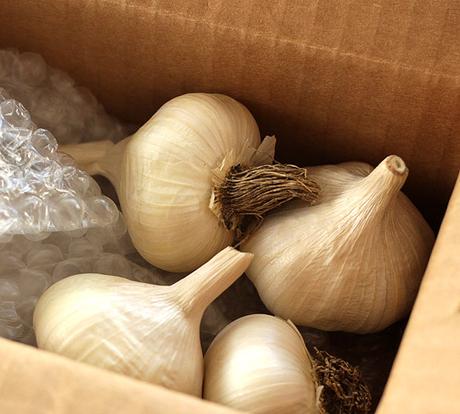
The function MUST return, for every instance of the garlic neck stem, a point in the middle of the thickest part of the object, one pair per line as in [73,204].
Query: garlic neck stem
[382,185]
[88,154]
[200,288]
[98,158]
[250,193]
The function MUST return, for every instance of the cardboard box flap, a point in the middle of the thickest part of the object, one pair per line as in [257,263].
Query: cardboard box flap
[426,374]
[39,382]
[333,80]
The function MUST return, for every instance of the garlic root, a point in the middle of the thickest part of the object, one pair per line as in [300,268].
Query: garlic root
[342,388]
[253,192]
[144,331]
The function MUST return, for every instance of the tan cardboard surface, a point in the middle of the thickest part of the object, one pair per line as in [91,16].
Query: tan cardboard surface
[334,79]
[39,382]
[426,373]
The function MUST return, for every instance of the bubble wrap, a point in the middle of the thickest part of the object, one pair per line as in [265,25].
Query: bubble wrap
[41,190]
[43,195]
[70,113]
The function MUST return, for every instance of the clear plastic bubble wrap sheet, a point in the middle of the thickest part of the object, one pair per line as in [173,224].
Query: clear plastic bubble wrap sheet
[41,190]
[28,268]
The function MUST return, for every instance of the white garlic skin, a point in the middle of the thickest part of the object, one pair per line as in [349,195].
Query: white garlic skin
[354,261]
[259,364]
[144,331]
[101,302]
[165,177]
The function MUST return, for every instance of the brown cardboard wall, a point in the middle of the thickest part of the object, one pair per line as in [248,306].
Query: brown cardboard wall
[38,382]
[426,373]
[334,80]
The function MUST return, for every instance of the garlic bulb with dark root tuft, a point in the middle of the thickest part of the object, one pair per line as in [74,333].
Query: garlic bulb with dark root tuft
[259,364]
[194,178]
[353,261]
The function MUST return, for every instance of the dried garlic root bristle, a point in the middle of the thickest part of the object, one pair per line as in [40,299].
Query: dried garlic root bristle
[248,194]
[340,386]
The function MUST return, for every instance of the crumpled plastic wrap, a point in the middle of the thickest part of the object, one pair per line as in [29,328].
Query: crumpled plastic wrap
[41,190]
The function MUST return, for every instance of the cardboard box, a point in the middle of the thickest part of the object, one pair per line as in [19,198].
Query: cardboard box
[334,80]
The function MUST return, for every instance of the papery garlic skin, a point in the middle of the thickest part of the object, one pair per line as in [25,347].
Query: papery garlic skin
[352,262]
[144,331]
[259,364]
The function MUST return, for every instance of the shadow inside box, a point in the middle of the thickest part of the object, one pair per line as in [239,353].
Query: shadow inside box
[373,354]
[107,189]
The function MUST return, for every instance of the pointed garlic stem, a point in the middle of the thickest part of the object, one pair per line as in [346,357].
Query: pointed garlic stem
[98,158]
[200,288]
[88,154]
[382,185]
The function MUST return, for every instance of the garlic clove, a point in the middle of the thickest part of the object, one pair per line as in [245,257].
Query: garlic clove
[351,262]
[144,331]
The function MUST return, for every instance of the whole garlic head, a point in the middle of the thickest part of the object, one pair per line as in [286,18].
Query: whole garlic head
[353,261]
[145,331]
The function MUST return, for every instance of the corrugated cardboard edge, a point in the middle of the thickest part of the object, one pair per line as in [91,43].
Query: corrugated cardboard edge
[426,376]
[37,382]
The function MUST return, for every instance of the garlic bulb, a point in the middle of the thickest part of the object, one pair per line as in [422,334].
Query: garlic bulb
[191,177]
[259,364]
[353,261]
[144,331]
